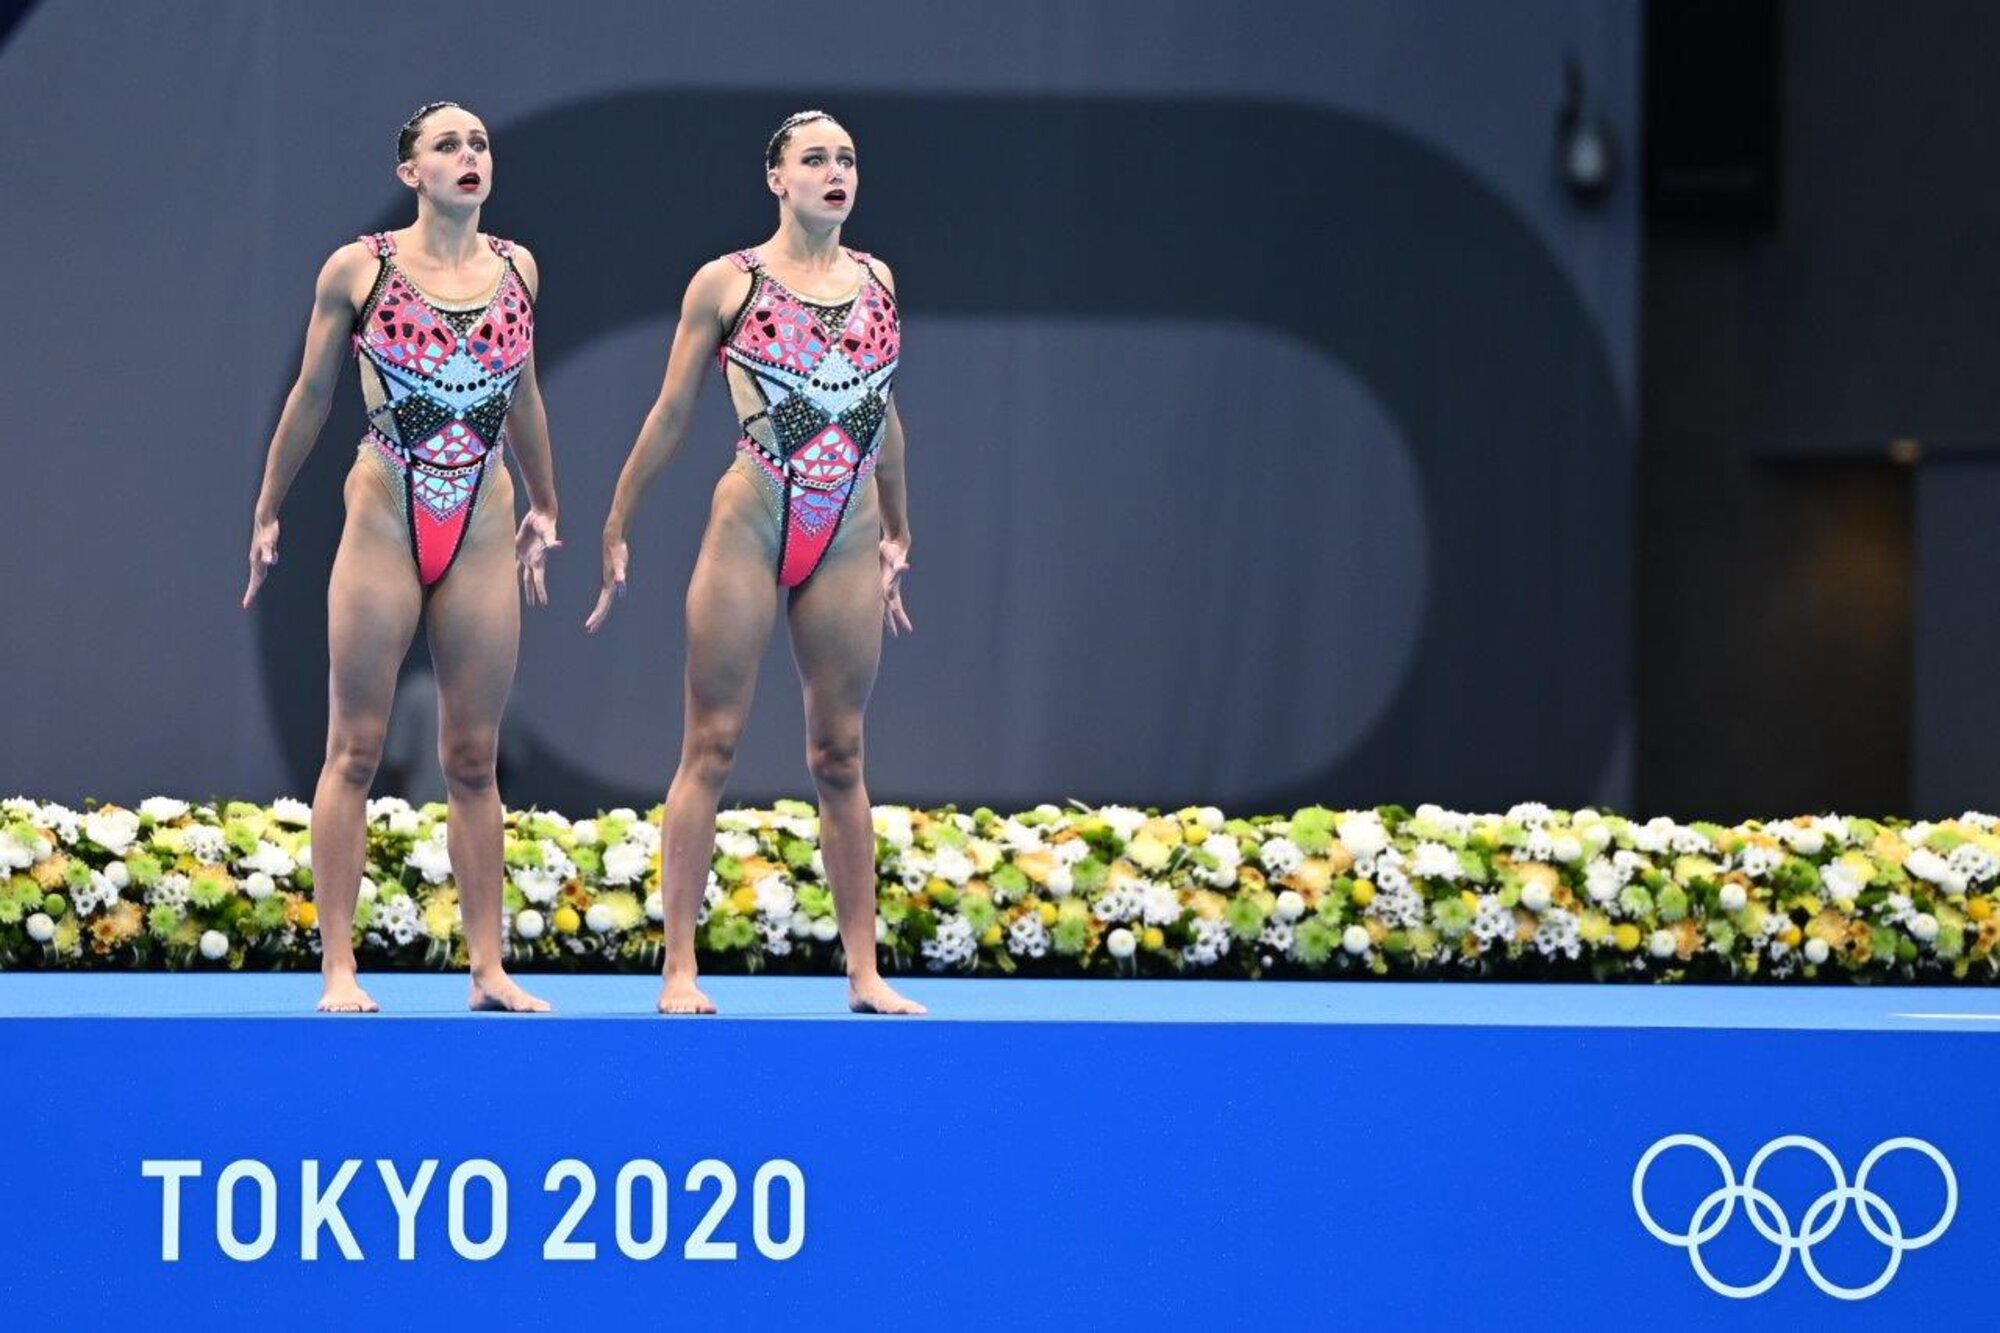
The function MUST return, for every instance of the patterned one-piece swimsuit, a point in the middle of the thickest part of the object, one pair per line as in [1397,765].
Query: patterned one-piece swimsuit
[811,385]
[438,382]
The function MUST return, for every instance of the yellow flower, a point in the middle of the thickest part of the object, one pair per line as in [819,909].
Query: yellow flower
[1167,831]
[1195,833]
[990,937]
[1047,912]
[1249,879]
[1153,938]
[1790,936]
[441,914]
[566,921]
[308,914]
[1593,927]
[1980,909]
[985,855]
[1037,866]
[1149,853]
[743,900]
[1626,937]
[1363,892]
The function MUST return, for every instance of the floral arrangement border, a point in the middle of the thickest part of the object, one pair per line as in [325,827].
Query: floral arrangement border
[1534,893]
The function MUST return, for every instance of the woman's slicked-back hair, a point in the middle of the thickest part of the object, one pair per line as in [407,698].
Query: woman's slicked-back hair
[406,138]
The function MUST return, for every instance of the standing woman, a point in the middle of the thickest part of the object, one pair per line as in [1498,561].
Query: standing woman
[441,319]
[807,333]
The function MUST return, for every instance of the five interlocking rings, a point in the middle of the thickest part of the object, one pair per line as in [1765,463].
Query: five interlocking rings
[1825,1214]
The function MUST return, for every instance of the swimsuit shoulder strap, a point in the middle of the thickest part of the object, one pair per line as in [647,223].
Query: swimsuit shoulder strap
[747,260]
[502,247]
[863,258]
[382,243]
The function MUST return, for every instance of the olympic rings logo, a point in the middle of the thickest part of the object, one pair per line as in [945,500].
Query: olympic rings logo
[1825,1214]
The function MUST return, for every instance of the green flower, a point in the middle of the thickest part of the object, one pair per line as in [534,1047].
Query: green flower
[146,870]
[1634,901]
[209,887]
[1009,880]
[269,913]
[1453,917]
[525,855]
[1673,903]
[77,876]
[816,900]
[1315,941]
[977,909]
[728,934]
[163,921]
[1088,875]
[1071,935]
[797,853]
[728,869]
[1245,916]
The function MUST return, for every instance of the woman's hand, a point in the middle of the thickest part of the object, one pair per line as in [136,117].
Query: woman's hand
[614,582]
[532,544]
[263,555]
[895,563]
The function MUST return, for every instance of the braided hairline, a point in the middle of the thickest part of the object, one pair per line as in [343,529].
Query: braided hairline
[406,137]
[775,150]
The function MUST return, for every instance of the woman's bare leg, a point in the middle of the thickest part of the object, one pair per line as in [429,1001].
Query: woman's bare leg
[836,623]
[474,621]
[732,602]
[373,602]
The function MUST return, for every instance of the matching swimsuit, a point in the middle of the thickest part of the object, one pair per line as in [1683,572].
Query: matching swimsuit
[438,380]
[810,382]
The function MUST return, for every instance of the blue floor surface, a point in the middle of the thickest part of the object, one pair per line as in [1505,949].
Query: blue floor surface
[1847,1009]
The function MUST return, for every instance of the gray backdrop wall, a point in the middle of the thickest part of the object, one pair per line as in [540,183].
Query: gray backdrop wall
[1270,404]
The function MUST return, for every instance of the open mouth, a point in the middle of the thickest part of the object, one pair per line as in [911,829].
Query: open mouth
[836,196]
[469,181]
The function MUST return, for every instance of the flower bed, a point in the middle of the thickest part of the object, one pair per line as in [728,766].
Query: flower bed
[1113,892]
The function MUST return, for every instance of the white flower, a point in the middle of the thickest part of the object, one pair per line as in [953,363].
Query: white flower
[20,807]
[529,925]
[825,929]
[118,874]
[431,859]
[1494,921]
[624,812]
[800,925]
[1361,832]
[399,919]
[1559,933]
[600,919]
[737,820]
[1027,937]
[1162,905]
[777,938]
[1691,842]
[64,822]
[1653,836]
[1568,848]
[1535,896]
[112,829]
[206,843]
[214,945]
[270,858]
[538,884]
[41,928]
[1839,883]
[1926,864]
[1278,937]
[1434,860]
[1021,837]
[1540,846]
[1209,818]
[296,813]
[1061,883]
[1211,941]
[161,809]
[1816,951]
[881,930]
[1972,863]
[626,863]
[1355,939]
[1919,833]
[1281,856]
[775,897]
[404,823]
[1530,814]
[259,886]
[1924,926]
[738,845]
[953,866]
[817,864]
[892,825]
[1662,944]
[1120,943]
[800,826]
[171,890]
[953,944]
[656,910]
[585,832]
[383,807]
[1804,839]
[1833,826]
[1123,819]
[1123,903]
[1290,906]
[1983,822]
[16,854]
[1602,880]
[369,892]
[1732,897]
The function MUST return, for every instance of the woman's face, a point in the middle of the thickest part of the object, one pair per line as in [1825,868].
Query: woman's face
[817,176]
[452,163]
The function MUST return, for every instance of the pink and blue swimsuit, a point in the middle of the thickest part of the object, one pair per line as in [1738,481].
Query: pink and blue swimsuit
[439,380]
[811,385]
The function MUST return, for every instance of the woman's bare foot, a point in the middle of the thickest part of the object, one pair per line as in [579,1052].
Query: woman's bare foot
[871,995]
[342,994]
[499,992]
[682,996]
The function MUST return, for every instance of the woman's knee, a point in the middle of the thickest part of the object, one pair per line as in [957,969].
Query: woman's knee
[354,752]
[469,759]
[710,750]
[835,759]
